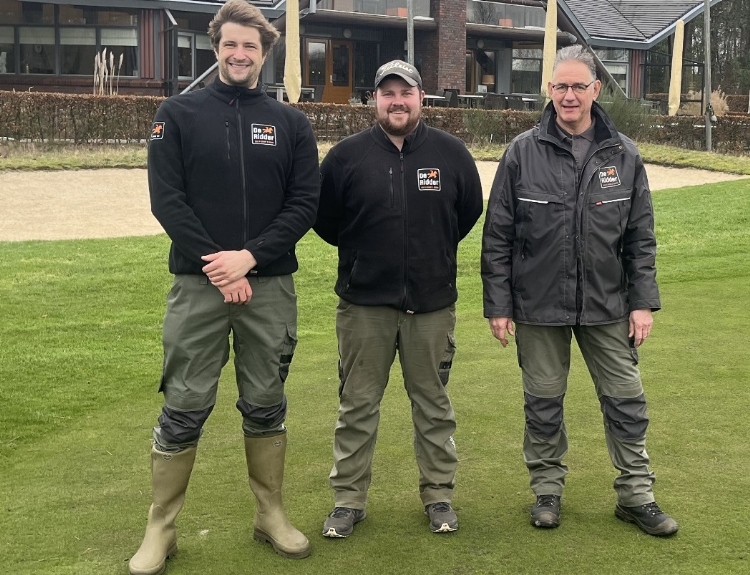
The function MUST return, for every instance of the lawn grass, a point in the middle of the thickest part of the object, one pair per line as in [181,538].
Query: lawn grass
[81,357]
[25,157]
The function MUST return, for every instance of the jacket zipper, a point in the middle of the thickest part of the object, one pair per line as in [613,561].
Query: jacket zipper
[406,228]
[229,145]
[390,172]
[242,172]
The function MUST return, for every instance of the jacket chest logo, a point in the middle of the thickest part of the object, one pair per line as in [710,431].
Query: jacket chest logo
[264,135]
[428,180]
[608,177]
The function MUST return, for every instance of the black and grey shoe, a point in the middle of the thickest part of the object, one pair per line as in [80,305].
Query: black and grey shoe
[649,518]
[341,521]
[442,517]
[545,513]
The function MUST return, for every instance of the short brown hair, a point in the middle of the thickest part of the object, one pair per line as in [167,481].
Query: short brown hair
[244,14]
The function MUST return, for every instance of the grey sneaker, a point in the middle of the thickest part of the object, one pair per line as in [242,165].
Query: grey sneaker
[340,522]
[649,517]
[546,511]
[442,517]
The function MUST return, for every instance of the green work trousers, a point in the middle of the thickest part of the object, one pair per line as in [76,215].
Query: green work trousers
[544,358]
[196,332]
[368,338]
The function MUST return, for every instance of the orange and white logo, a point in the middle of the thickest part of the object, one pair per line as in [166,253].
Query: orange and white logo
[428,179]
[157,131]
[608,177]
[264,135]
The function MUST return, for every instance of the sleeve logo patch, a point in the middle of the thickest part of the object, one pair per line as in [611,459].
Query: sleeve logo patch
[608,177]
[428,180]
[264,135]
[157,131]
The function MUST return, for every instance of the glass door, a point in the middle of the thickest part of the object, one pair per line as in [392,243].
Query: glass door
[329,64]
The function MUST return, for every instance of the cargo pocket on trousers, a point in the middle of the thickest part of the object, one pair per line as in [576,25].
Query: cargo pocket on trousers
[287,351]
[446,362]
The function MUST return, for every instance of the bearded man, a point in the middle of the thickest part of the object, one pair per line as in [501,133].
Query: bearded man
[396,199]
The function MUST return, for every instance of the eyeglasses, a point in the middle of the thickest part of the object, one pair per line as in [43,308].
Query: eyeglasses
[577,88]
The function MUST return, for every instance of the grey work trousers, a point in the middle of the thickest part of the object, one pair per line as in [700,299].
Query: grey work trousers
[368,338]
[544,358]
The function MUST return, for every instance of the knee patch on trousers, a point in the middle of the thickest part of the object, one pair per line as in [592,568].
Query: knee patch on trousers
[625,417]
[544,415]
[180,429]
[259,420]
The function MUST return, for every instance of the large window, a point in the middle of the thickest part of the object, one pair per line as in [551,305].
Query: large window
[617,64]
[195,55]
[7,50]
[64,39]
[384,7]
[507,15]
[481,68]
[526,71]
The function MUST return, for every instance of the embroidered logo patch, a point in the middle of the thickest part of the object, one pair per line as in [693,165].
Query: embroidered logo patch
[264,135]
[157,131]
[608,177]
[428,179]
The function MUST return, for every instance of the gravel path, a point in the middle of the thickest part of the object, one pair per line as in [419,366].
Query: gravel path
[114,202]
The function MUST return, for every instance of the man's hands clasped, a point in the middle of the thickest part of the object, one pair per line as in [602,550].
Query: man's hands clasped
[227,270]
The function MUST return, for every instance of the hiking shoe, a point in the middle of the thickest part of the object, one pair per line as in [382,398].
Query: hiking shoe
[340,522]
[649,517]
[442,517]
[546,511]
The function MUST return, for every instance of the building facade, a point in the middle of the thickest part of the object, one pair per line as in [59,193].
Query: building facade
[158,47]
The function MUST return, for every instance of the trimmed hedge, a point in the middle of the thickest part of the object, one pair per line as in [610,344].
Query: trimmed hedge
[37,117]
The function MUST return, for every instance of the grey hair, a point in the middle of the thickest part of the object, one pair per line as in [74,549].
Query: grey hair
[576,53]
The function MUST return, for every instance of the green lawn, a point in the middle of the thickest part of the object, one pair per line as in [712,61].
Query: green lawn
[81,357]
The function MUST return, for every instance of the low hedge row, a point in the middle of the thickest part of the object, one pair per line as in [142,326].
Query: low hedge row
[36,116]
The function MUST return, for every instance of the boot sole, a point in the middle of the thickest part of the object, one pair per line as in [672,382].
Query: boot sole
[171,552]
[265,538]
[664,529]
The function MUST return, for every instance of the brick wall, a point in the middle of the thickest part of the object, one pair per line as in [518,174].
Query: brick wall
[444,60]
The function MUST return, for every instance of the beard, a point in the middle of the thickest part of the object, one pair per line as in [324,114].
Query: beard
[399,129]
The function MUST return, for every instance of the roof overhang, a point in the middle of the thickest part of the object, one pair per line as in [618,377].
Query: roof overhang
[528,34]
[645,44]
[371,20]
[200,6]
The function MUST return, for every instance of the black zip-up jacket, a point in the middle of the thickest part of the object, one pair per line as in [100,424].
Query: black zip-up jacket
[397,216]
[231,168]
[548,233]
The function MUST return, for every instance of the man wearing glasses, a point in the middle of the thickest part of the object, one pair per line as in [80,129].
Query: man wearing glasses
[569,249]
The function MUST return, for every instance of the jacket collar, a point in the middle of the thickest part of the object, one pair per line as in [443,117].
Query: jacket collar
[605,131]
[411,142]
[229,94]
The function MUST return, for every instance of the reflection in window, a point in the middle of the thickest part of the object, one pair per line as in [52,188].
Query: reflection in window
[185,56]
[279,57]
[316,62]
[507,15]
[33,13]
[77,50]
[122,41]
[340,65]
[526,76]
[616,63]
[37,49]
[204,53]
[7,50]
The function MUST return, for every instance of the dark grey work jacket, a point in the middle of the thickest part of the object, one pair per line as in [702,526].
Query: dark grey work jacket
[549,233]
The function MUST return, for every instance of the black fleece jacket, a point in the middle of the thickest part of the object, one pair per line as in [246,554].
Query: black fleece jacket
[397,216]
[231,168]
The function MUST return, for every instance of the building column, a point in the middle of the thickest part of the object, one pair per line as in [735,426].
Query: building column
[444,59]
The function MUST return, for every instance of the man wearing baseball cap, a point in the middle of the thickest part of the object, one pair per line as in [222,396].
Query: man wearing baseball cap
[396,199]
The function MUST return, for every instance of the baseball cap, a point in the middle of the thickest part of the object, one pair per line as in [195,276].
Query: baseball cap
[401,69]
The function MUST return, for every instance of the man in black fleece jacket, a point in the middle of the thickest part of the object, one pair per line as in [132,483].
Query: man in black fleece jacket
[233,178]
[396,199]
